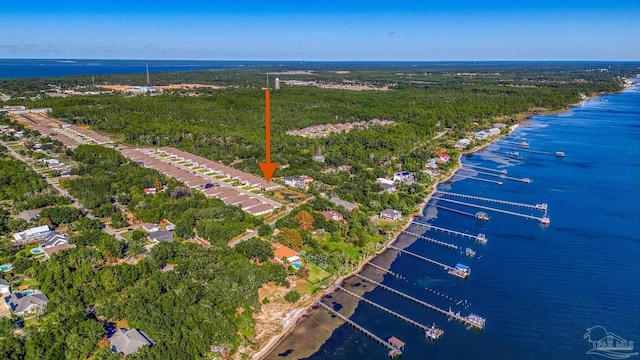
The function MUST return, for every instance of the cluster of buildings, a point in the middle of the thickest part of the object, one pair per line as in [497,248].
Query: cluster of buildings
[20,109]
[49,242]
[88,134]
[481,135]
[156,235]
[227,194]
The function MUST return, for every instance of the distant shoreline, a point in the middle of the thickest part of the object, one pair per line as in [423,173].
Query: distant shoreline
[522,117]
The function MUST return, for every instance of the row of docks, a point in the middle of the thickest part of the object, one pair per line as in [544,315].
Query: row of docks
[460,270]
[431,332]
[544,219]
[472,321]
[456,175]
[480,238]
[394,350]
[542,206]
[524,146]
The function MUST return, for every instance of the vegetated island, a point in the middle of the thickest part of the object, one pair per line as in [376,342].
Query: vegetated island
[191,295]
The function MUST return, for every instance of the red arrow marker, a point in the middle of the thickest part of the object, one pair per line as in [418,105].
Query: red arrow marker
[268,167]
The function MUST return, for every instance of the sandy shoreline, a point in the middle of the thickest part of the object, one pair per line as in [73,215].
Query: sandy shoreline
[310,329]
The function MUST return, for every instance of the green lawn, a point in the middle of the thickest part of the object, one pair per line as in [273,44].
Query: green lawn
[316,273]
[127,235]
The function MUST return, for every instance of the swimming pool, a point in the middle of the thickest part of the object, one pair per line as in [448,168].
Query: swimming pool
[297,265]
[6,267]
[36,251]
[27,292]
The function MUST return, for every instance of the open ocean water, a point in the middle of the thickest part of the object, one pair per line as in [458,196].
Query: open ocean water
[539,287]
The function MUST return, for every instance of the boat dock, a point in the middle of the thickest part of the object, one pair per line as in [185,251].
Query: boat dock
[455,271]
[477,178]
[451,232]
[451,209]
[499,175]
[471,320]
[433,241]
[382,269]
[424,328]
[552,153]
[542,219]
[503,171]
[393,351]
[542,206]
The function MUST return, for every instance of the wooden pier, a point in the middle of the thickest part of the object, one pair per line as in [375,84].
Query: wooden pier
[451,209]
[433,241]
[503,171]
[471,320]
[393,351]
[477,178]
[451,232]
[499,175]
[444,266]
[424,328]
[382,269]
[552,153]
[542,206]
[543,219]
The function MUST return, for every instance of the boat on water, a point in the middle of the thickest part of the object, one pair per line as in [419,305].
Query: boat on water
[559,153]
[480,215]
[470,252]
[524,145]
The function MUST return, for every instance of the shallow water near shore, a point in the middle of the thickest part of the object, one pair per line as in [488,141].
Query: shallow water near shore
[539,287]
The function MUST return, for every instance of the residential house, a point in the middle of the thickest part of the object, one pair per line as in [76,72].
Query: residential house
[390,214]
[301,182]
[27,304]
[53,239]
[281,252]
[404,177]
[150,227]
[386,185]
[54,249]
[443,157]
[31,235]
[170,227]
[332,215]
[5,288]
[129,341]
[162,235]
[347,205]
[462,144]
[493,131]
[260,210]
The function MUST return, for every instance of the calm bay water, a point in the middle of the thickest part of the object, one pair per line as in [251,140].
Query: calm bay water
[539,287]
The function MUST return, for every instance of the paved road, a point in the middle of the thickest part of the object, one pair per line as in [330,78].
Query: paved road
[62,191]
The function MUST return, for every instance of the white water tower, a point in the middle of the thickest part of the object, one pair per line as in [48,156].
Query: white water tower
[277,84]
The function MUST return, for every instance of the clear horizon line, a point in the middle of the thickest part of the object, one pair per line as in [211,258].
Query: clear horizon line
[314,60]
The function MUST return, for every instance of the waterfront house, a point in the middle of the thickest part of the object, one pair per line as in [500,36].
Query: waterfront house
[404,177]
[281,252]
[126,342]
[462,143]
[390,214]
[443,157]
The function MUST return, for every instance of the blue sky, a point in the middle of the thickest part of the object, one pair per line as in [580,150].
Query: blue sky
[324,30]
